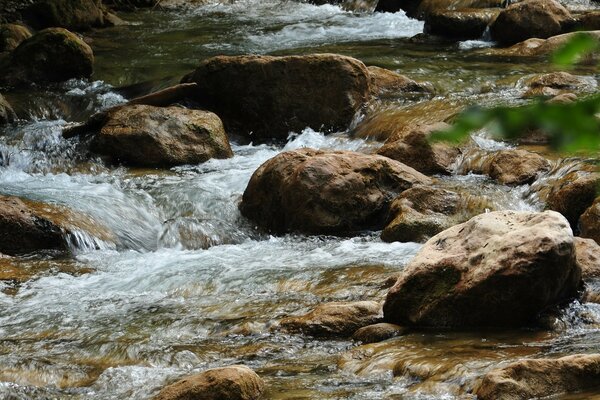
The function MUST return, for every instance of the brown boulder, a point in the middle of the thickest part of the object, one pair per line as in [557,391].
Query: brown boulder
[422,212]
[499,269]
[74,15]
[588,257]
[325,192]
[538,378]
[378,332]
[412,147]
[51,55]
[515,167]
[7,114]
[538,47]
[385,82]
[530,19]
[236,382]
[11,36]
[269,97]
[422,8]
[334,319]
[589,222]
[460,24]
[154,136]
[573,194]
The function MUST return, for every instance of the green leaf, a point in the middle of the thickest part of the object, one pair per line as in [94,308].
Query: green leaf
[572,51]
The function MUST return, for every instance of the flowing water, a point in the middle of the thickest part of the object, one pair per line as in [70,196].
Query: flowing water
[183,282]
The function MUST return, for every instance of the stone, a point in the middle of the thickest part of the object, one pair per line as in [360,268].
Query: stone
[236,382]
[378,332]
[535,47]
[530,19]
[7,114]
[573,194]
[325,192]
[11,36]
[385,82]
[268,97]
[499,269]
[51,55]
[150,136]
[460,24]
[412,147]
[515,167]
[422,8]
[537,378]
[587,252]
[589,222]
[555,83]
[421,212]
[74,15]
[334,319]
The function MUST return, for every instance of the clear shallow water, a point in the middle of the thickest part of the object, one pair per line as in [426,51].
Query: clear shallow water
[186,283]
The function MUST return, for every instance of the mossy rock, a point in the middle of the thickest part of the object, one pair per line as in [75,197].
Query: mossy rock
[70,14]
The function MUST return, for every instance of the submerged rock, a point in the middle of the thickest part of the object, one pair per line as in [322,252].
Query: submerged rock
[378,332]
[7,114]
[460,24]
[155,137]
[70,14]
[422,212]
[325,192]
[269,97]
[573,194]
[530,19]
[499,269]
[51,55]
[538,378]
[588,257]
[386,82]
[11,36]
[556,83]
[412,147]
[334,319]
[589,222]
[236,382]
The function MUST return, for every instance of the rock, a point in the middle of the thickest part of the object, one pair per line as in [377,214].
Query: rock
[168,96]
[556,83]
[7,114]
[269,97]
[515,167]
[573,194]
[385,82]
[334,319]
[529,19]
[325,192]
[11,35]
[564,98]
[422,212]
[155,137]
[422,8]
[51,55]
[538,47]
[460,24]
[536,378]
[499,269]
[589,222]
[236,382]
[586,21]
[74,15]
[588,257]
[412,147]
[378,332]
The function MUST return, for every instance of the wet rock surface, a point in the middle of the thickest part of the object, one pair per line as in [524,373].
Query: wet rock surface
[11,36]
[69,14]
[573,194]
[589,222]
[588,257]
[460,24]
[388,83]
[378,332]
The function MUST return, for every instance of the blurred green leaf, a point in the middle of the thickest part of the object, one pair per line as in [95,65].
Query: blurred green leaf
[577,47]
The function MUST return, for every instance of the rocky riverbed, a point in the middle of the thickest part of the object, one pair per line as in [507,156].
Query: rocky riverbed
[240,200]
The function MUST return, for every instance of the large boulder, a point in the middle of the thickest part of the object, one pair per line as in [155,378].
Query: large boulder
[514,166]
[588,257]
[530,19]
[74,15]
[269,97]
[537,378]
[150,136]
[460,24]
[538,47]
[11,36]
[499,269]
[589,222]
[422,212]
[412,147]
[325,192]
[51,55]
[573,194]
[7,114]
[334,319]
[236,382]
[422,8]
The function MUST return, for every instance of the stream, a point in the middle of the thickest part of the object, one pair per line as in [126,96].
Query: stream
[183,282]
